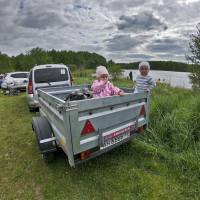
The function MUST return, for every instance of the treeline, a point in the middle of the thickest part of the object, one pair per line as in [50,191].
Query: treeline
[38,56]
[161,65]
[76,60]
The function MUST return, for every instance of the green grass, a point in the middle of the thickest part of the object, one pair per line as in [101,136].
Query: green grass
[162,164]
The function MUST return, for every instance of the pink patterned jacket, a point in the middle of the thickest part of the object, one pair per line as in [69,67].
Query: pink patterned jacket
[103,89]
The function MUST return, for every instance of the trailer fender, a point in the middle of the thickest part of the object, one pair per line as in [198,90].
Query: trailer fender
[44,135]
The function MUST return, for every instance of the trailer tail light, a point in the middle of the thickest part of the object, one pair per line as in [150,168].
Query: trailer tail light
[88,128]
[85,154]
[142,111]
[30,87]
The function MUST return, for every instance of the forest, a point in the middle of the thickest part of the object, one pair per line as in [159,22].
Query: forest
[76,60]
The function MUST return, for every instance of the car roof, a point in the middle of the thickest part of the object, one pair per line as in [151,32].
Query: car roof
[49,65]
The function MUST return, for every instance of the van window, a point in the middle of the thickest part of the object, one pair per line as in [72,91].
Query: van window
[19,75]
[48,75]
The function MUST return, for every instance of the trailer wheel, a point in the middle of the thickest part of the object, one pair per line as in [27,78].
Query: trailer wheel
[45,138]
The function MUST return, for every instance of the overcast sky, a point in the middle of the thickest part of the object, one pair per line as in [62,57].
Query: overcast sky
[121,30]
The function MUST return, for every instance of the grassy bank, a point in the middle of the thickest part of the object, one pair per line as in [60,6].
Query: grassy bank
[162,164]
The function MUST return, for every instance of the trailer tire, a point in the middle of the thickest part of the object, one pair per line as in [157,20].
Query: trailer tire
[43,131]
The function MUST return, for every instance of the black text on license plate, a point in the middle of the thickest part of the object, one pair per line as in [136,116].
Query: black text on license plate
[115,137]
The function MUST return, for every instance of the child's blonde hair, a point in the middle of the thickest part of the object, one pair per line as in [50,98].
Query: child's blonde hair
[144,64]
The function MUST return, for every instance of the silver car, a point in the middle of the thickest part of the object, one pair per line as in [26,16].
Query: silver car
[43,76]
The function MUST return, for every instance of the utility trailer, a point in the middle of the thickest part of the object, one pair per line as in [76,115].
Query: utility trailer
[87,127]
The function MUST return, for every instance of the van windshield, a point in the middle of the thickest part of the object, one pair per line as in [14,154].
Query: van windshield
[48,75]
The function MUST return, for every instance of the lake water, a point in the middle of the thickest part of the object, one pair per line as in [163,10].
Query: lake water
[175,79]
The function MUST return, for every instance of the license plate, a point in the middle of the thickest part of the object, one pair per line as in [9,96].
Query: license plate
[114,140]
[117,135]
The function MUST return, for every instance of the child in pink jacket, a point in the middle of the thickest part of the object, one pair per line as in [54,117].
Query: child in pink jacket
[102,87]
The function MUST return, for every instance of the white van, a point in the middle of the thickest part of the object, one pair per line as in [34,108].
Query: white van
[46,76]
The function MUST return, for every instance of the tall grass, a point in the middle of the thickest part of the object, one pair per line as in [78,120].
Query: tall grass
[175,126]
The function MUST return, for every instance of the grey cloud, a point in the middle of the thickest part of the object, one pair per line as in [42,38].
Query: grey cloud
[76,24]
[39,20]
[21,4]
[6,8]
[167,45]
[177,13]
[79,5]
[121,43]
[139,56]
[118,5]
[91,47]
[142,21]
